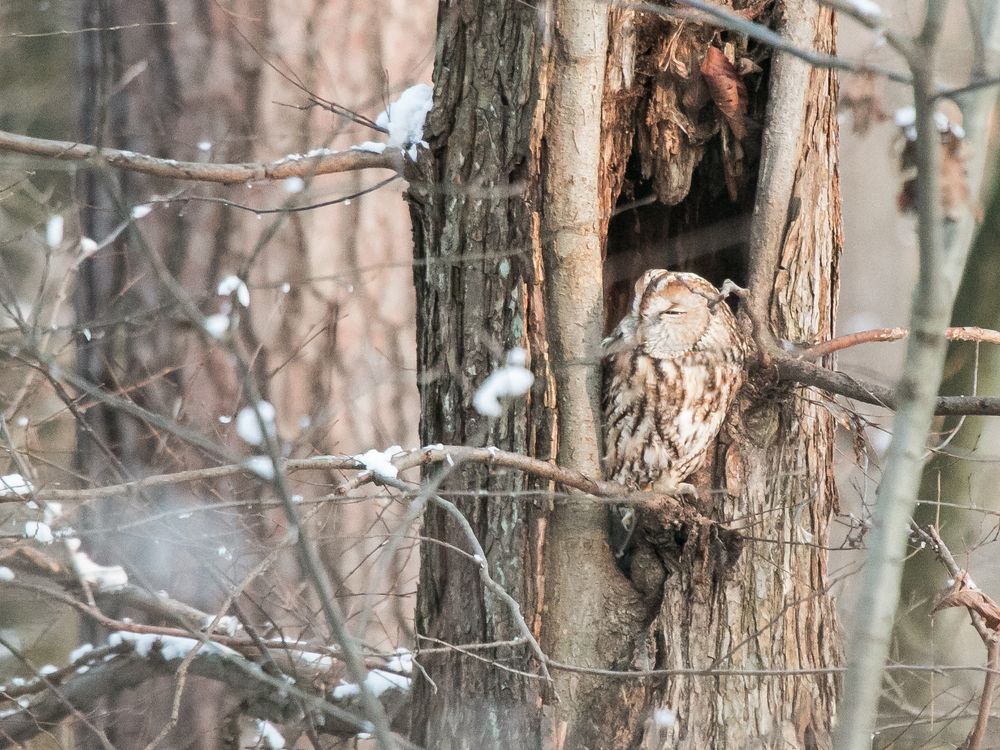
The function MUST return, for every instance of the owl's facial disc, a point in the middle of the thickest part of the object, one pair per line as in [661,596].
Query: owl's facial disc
[672,315]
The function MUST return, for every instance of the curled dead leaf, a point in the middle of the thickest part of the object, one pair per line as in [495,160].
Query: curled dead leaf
[955,192]
[861,97]
[962,594]
[727,89]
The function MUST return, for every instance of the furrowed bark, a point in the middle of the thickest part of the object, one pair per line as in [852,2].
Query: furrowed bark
[473,201]
[766,607]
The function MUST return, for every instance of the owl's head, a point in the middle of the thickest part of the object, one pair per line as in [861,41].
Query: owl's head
[673,311]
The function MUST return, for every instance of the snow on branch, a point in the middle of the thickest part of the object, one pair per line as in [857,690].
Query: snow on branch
[318,162]
[403,120]
[14,484]
[511,380]
[379,463]
[129,660]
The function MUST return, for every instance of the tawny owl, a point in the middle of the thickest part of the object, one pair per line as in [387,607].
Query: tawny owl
[673,367]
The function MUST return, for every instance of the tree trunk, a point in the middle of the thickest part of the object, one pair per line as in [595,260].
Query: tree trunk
[478,276]
[962,475]
[483,222]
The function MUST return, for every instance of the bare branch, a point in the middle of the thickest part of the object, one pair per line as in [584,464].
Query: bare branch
[323,161]
[263,695]
[958,333]
[943,250]
[779,159]
[789,368]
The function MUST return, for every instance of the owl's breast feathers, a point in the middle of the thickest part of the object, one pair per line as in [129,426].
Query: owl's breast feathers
[662,414]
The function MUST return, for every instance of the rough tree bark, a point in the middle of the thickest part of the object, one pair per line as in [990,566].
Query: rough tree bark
[480,206]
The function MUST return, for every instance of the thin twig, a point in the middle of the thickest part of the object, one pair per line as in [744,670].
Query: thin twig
[958,333]
[990,638]
[975,741]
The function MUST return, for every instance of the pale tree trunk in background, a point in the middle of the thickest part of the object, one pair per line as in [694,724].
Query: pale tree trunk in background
[329,330]
[947,637]
[137,89]
[479,209]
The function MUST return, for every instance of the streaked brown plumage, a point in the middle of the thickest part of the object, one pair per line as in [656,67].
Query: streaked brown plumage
[673,367]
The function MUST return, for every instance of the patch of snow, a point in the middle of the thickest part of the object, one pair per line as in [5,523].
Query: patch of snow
[141,211]
[204,145]
[345,690]
[906,120]
[248,425]
[372,146]
[404,119]
[226,624]
[401,662]
[311,154]
[38,531]
[87,245]
[286,288]
[232,284]
[104,577]
[54,230]
[79,652]
[262,466]
[52,511]
[216,325]
[312,659]
[511,380]
[171,647]
[270,736]
[14,484]
[664,717]
[6,574]
[48,669]
[380,462]
[294,184]
[377,682]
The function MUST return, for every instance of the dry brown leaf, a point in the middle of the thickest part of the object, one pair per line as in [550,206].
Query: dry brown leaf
[727,89]
[955,193]
[954,178]
[861,97]
[960,594]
